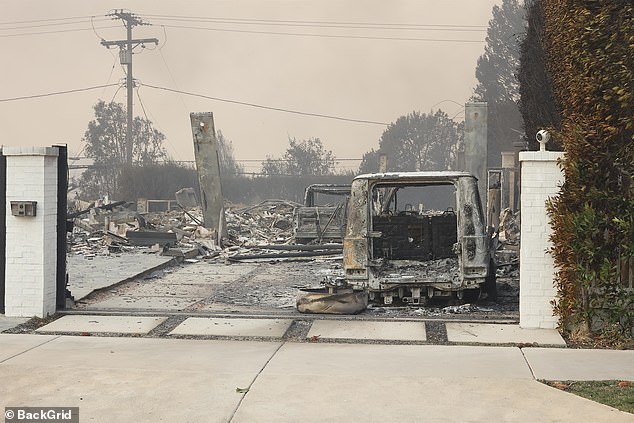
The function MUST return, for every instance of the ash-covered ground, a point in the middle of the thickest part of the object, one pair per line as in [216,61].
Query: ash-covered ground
[220,282]
[272,288]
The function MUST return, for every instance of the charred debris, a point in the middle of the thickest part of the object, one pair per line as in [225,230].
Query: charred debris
[260,232]
[267,232]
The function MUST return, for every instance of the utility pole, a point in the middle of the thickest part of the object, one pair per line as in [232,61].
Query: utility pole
[126,47]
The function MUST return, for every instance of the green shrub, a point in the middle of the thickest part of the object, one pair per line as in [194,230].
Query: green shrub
[590,56]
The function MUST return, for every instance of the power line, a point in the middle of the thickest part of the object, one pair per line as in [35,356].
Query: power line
[445,101]
[169,71]
[325,24]
[262,21]
[114,58]
[45,20]
[278,21]
[114,64]
[92,24]
[56,32]
[138,94]
[358,37]
[26,97]
[278,109]
[142,105]
[117,91]
[46,25]
[37,23]
[259,106]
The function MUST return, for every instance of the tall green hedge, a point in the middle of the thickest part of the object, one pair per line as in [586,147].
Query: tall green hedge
[590,56]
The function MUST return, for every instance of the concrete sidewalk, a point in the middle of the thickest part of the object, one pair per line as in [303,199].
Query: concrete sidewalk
[332,330]
[178,380]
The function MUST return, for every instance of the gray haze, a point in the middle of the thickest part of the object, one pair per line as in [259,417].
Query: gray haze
[368,79]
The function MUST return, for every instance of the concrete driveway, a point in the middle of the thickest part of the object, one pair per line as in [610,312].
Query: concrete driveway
[182,380]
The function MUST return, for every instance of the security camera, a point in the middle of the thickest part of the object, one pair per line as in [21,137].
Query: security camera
[542,136]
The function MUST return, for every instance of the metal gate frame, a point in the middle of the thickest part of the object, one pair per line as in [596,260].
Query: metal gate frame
[3,225]
[62,200]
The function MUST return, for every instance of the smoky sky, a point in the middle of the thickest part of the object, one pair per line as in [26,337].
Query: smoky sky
[362,60]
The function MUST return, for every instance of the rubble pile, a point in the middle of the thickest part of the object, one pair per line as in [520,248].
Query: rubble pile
[445,269]
[507,251]
[99,228]
[270,222]
[509,227]
[262,231]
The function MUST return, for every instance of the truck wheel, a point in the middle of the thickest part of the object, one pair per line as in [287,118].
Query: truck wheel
[490,284]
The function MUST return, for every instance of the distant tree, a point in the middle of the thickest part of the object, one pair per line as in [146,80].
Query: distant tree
[228,163]
[305,157]
[272,167]
[537,105]
[158,181]
[105,141]
[497,83]
[369,162]
[416,142]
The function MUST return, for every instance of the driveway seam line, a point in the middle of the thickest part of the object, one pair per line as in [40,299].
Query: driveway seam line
[32,348]
[208,297]
[528,364]
[235,410]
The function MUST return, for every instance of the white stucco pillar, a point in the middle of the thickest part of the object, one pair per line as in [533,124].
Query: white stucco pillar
[541,179]
[31,240]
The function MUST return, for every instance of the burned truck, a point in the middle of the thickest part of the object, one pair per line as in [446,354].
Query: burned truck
[322,218]
[415,236]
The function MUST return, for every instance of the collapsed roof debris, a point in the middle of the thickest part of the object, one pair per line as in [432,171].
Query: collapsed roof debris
[263,231]
[269,222]
[509,226]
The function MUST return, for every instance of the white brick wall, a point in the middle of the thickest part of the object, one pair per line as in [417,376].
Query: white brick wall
[540,179]
[31,253]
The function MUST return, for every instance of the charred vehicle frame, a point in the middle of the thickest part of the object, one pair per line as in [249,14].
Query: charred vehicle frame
[315,223]
[399,246]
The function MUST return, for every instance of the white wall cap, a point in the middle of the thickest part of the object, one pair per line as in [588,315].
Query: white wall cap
[30,151]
